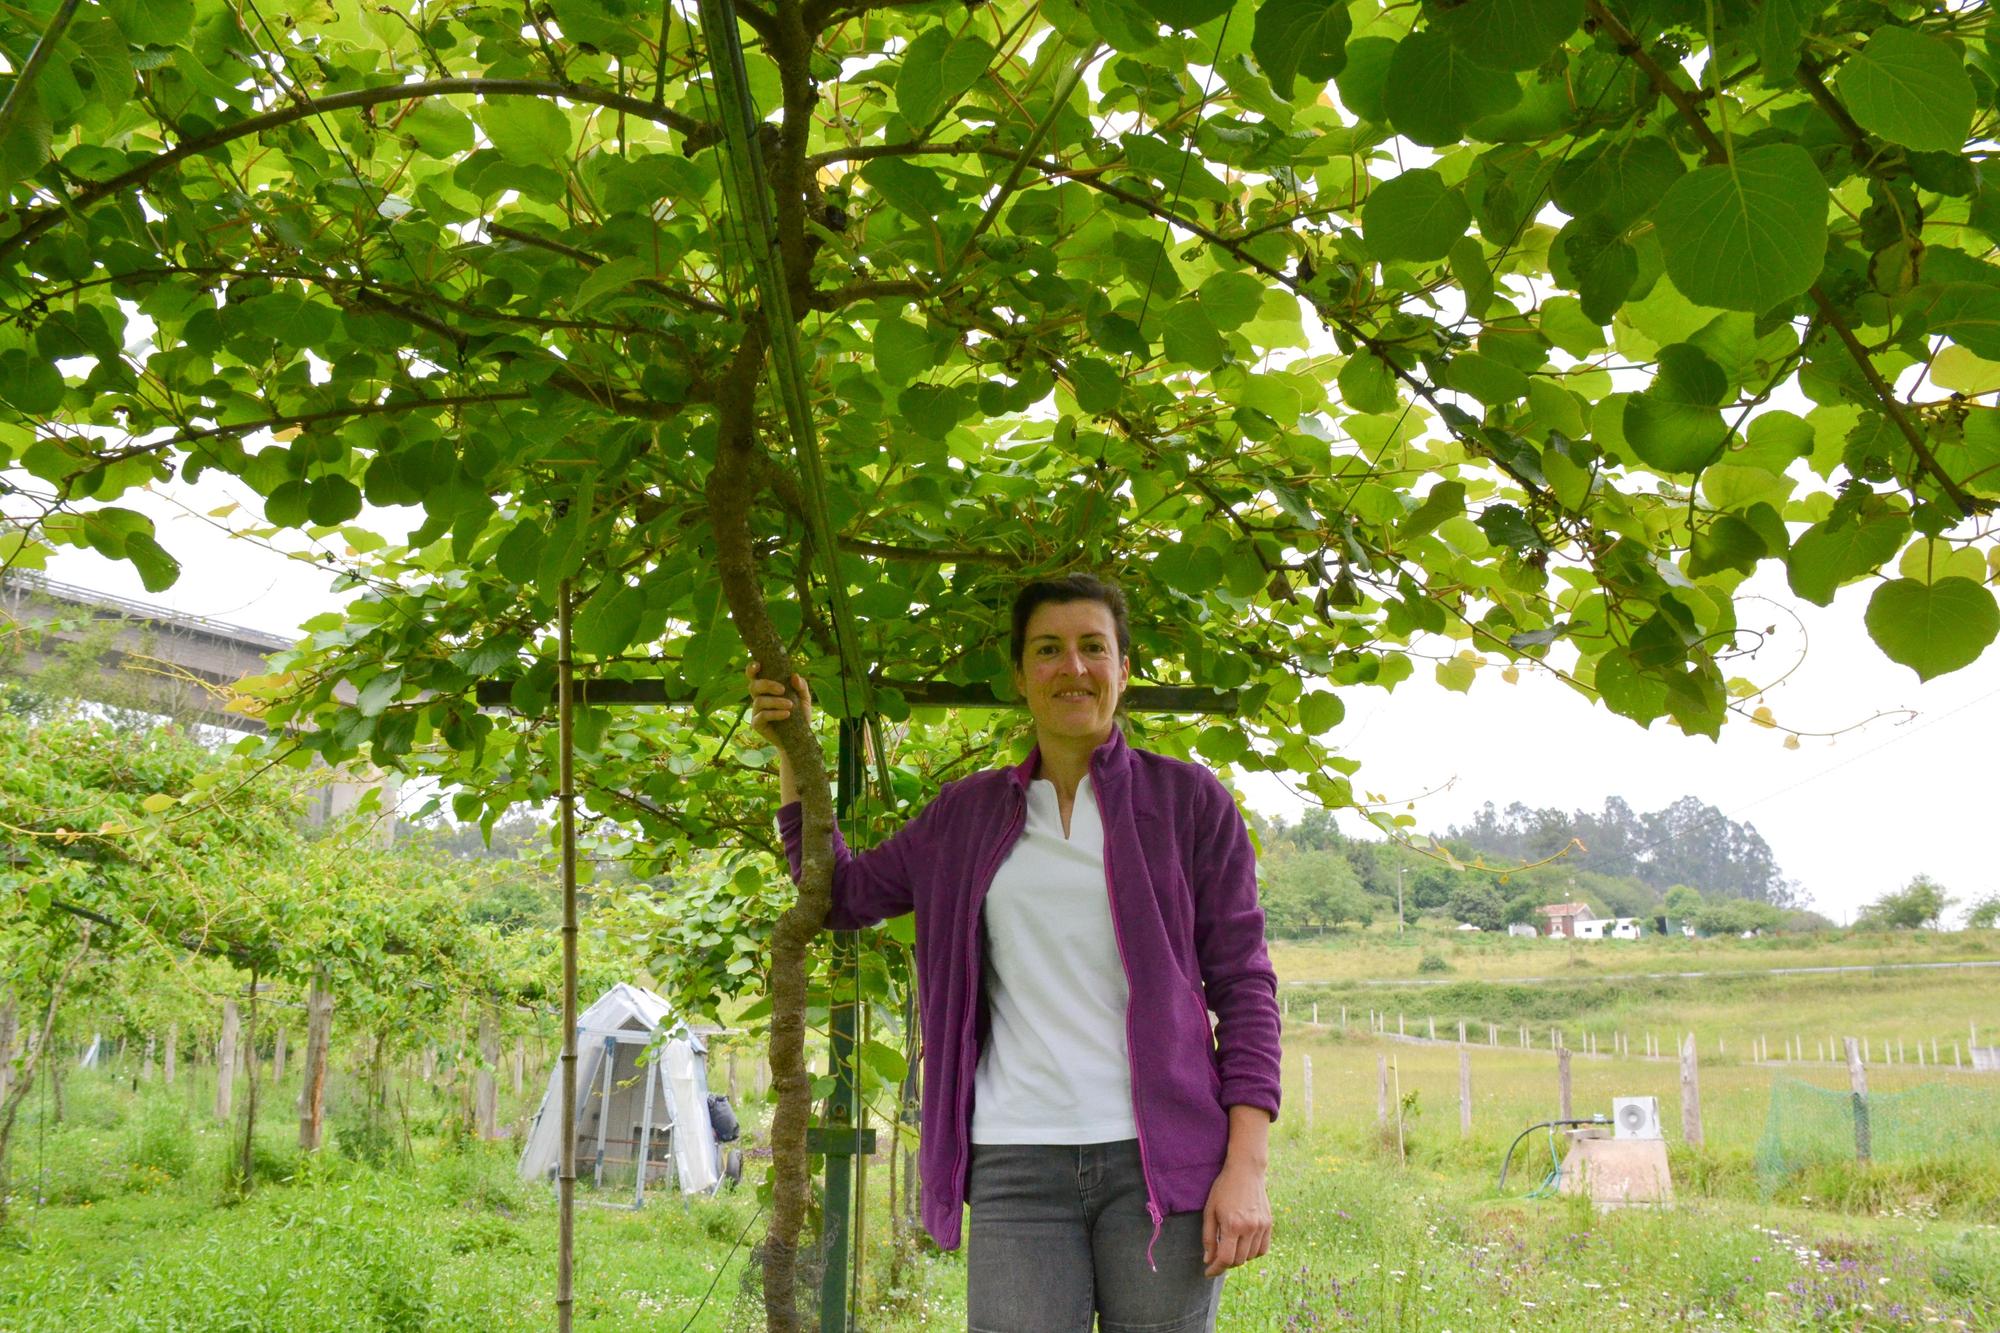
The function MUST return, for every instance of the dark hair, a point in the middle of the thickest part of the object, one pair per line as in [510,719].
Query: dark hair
[1068,588]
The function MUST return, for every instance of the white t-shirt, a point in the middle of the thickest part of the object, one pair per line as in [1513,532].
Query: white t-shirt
[1055,1067]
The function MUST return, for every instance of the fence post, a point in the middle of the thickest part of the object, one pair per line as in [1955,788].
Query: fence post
[1464,1092]
[1690,1092]
[1857,1079]
[1562,1080]
[1492,1034]
[1433,1027]
[1343,1018]
[486,1082]
[1382,1093]
[312,1085]
[173,1047]
[1954,1054]
[1461,1032]
[225,1060]
[1399,1023]
[1309,1089]
[1315,1013]
[278,1059]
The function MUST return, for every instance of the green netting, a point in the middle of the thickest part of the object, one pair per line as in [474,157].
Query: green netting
[1810,1126]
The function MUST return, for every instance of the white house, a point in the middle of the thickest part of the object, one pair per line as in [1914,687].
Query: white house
[1522,930]
[1590,928]
[1627,928]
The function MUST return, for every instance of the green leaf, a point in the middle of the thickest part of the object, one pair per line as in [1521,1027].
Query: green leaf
[1620,183]
[610,276]
[607,623]
[1185,13]
[932,409]
[1096,384]
[902,350]
[1509,34]
[1933,628]
[1831,553]
[1367,384]
[886,1061]
[530,131]
[152,22]
[1320,712]
[438,128]
[332,500]
[1776,32]
[1675,426]
[1910,89]
[916,192]
[378,693]
[1492,382]
[29,383]
[1474,278]
[937,70]
[1364,82]
[1415,216]
[1231,299]
[1301,39]
[1434,90]
[1966,312]
[1727,543]
[1746,236]
[1191,336]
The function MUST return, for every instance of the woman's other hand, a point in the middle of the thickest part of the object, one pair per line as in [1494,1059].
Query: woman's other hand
[770,705]
[1236,1224]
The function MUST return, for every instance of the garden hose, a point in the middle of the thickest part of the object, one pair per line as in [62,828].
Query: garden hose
[1547,1187]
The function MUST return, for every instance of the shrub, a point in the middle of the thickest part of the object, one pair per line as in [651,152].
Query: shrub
[1432,961]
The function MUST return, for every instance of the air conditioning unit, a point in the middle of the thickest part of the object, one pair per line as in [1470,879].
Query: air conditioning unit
[1635,1117]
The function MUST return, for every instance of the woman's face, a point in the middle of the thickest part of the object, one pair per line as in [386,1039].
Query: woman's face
[1070,670]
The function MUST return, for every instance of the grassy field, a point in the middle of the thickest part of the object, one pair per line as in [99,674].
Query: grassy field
[135,1231]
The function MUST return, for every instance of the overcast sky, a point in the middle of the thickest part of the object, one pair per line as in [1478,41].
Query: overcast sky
[1848,816]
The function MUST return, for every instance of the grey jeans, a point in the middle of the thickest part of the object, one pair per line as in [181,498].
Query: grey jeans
[1059,1236]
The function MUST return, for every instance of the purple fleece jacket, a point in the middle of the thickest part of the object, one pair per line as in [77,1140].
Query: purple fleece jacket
[1183,888]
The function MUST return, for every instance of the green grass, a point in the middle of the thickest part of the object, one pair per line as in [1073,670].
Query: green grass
[413,1228]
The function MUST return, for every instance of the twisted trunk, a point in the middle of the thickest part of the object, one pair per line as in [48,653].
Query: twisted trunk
[731,490]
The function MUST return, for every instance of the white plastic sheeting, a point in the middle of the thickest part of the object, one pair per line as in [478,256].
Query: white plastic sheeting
[628,1114]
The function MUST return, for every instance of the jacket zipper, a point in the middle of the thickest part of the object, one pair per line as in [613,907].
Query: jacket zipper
[977,975]
[1131,1065]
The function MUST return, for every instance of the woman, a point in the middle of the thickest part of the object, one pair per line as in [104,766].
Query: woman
[1077,918]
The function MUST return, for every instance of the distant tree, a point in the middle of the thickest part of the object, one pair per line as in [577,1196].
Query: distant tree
[1985,913]
[1918,905]
[1313,891]
[1682,901]
[1433,887]
[1478,904]
[1733,916]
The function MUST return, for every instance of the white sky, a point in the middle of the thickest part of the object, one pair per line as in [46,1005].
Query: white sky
[1849,817]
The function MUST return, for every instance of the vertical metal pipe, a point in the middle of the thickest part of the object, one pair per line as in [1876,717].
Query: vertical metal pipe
[566,801]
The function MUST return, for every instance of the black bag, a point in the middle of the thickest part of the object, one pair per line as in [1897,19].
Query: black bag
[723,1119]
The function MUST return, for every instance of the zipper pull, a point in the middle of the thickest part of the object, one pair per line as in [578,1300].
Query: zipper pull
[1153,1211]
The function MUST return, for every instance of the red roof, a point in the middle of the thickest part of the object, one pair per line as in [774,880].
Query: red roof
[1564,909]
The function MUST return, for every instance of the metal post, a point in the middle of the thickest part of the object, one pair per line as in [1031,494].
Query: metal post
[842,1114]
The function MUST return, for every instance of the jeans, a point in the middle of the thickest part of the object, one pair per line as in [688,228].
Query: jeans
[1059,1236]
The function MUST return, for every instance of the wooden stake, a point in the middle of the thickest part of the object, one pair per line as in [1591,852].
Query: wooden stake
[1857,1081]
[1690,1092]
[1382,1093]
[277,1059]
[1562,1083]
[312,1084]
[225,1061]
[486,1082]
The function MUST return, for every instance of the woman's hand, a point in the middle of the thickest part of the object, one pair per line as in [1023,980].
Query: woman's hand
[1236,1223]
[770,705]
